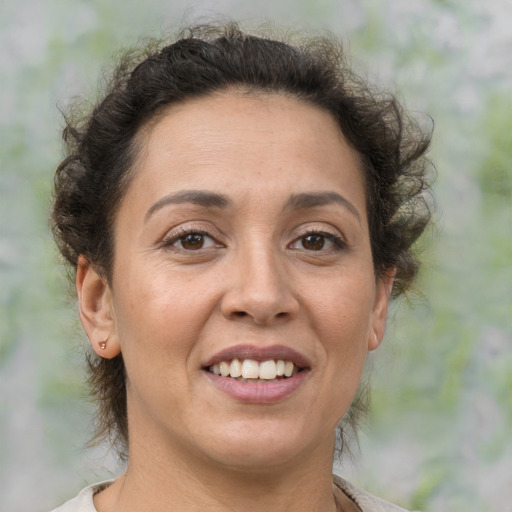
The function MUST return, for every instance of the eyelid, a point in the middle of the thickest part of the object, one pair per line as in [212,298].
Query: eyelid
[320,228]
[182,230]
[333,235]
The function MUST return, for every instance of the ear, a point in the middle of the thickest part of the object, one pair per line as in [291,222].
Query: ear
[383,290]
[96,310]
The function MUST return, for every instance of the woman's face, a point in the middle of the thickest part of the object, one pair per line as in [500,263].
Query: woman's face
[242,245]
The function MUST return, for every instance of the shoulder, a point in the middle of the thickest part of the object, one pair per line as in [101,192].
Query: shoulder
[364,500]
[83,502]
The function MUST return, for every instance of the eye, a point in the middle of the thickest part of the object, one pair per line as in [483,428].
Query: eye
[191,241]
[318,241]
[313,242]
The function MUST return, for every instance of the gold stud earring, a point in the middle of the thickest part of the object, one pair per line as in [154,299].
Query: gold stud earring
[103,344]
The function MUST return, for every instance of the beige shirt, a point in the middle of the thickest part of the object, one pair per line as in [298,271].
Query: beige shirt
[364,500]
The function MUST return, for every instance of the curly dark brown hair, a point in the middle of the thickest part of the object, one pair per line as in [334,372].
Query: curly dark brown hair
[101,148]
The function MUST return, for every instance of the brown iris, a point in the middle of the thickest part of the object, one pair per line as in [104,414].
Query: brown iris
[192,241]
[313,242]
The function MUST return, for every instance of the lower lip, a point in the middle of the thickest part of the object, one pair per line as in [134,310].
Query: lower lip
[257,392]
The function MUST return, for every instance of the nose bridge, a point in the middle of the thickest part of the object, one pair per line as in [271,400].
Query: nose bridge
[259,287]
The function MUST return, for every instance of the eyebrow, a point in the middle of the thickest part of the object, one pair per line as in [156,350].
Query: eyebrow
[208,199]
[198,197]
[314,199]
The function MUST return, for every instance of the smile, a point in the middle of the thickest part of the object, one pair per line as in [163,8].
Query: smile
[254,374]
[250,370]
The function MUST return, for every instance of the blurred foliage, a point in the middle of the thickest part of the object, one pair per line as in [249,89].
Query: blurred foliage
[439,436]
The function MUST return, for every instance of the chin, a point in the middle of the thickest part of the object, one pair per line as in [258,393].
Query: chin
[259,444]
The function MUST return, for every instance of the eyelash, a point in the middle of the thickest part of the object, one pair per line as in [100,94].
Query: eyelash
[181,233]
[337,241]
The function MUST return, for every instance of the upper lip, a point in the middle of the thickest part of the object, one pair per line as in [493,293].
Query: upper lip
[260,354]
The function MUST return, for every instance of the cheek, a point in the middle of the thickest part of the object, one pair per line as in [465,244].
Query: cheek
[344,306]
[343,323]
[161,312]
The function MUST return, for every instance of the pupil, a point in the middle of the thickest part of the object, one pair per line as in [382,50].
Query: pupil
[193,241]
[313,242]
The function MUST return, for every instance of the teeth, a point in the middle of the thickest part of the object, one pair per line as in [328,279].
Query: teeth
[224,369]
[251,369]
[235,368]
[268,370]
[288,369]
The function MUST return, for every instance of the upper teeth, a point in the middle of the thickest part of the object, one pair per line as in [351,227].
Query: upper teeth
[251,369]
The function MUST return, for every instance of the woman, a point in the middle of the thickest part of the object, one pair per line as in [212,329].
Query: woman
[238,212]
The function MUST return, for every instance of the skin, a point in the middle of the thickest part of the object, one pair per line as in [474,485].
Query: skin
[256,279]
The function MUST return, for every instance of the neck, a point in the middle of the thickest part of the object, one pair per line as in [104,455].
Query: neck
[169,480]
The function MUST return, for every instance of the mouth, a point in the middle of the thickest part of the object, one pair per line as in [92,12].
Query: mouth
[250,370]
[255,374]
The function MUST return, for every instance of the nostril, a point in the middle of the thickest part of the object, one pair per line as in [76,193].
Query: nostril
[245,314]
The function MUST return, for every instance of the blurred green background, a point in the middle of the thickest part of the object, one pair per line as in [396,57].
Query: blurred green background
[440,433]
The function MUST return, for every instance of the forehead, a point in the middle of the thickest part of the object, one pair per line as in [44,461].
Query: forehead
[247,137]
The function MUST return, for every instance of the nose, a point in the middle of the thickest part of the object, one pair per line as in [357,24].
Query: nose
[259,289]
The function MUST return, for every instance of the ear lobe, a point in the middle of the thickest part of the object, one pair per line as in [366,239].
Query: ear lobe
[96,310]
[384,287]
